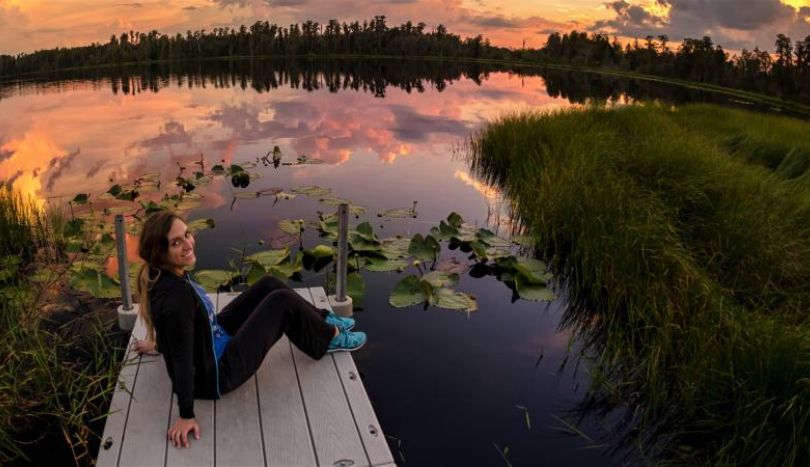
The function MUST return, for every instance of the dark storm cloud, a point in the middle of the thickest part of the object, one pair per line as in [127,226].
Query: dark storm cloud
[733,23]
[59,164]
[413,126]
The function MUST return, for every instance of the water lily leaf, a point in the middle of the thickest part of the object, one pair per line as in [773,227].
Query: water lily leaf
[212,279]
[247,165]
[200,224]
[359,242]
[269,258]
[466,233]
[270,191]
[528,290]
[398,213]
[334,201]
[313,191]
[424,248]
[452,266]
[281,239]
[455,220]
[218,169]
[40,276]
[497,252]
[408,291]
[286,269]
[81,198]
[491,239]
[440,279]
[384,264]
[366,231]
[95,282]
[149,207]
[320,251]
[533,270]
[292,227]
[303,159]
[255,273]
[240,179]
[444,231]
[235,169]
[284,195]
[452,300]
[246,195]
[395,247]
[153,177]
[115,190]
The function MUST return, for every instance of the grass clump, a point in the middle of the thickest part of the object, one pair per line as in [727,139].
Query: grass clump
[56,375]
[684,241]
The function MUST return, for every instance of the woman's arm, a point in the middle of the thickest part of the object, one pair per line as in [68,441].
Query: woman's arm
[145,347]
[179,324]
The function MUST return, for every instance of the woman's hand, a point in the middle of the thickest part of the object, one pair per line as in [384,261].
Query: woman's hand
[144,347]
[178,434]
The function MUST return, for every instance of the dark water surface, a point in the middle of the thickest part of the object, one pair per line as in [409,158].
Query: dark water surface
[447,386]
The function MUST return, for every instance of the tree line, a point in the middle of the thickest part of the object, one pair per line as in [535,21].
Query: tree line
[373,37]
[785,73]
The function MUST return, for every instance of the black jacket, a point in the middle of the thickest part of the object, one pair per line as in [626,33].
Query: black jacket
[183,334]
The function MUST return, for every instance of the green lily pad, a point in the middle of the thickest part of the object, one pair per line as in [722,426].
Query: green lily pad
[312,190]
[292,227]
[452,300]
[321,251]
[455,220]
[246,194]
[286,269]
[452,266]
[528,290]
[533,270]
[408,291]
[395,247]
[424,248]
[385,265]
[361,243]
[334,201]
[81,198]
[399,213]
[366,231]
[269,258]
[444,231]
[284,195]
[440,279]
[213,278]
[94,282]
[200,224]
[492,240]
[9,267]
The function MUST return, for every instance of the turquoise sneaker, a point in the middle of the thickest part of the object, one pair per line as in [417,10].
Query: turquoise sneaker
[347,342]
[344,324]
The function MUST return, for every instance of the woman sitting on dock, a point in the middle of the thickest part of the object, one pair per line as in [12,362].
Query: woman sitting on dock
[209,354]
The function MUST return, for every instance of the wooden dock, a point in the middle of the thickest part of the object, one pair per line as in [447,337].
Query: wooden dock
[295,411]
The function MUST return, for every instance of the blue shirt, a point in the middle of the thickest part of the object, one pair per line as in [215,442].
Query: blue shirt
[219,335]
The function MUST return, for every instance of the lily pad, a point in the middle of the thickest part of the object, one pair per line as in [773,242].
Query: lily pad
[81,198]
[408,291]
[286,269]
[334,201]
[533,270]
[385,265]
[491,239]
[531,291]
[269,258]
[452,266]
[399,213]
[246,194]
[312,190]
[95,282]
[440,279]
[444,231]
[292,227]
[395,247]
[212,279]
[455,220]
[424,248]
[453,300]
[284,195]
[200,224]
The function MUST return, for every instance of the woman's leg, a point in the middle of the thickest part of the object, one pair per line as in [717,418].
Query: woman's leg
[235,313]
[283,311]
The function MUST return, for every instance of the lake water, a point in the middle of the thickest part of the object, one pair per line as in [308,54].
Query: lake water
[449,388]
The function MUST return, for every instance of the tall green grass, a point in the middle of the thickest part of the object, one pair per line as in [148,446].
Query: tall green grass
[55,380]
[685,248]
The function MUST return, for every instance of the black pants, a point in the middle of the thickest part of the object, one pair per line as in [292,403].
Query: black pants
[257,318]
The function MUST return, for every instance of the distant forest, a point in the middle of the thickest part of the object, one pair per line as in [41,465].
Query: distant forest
[785,73]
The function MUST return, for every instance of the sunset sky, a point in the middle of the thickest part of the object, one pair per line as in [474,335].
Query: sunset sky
[27,25]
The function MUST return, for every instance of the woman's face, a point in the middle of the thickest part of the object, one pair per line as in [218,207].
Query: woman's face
[181,248]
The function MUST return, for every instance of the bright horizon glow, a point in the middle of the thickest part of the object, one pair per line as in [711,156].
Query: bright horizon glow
[28,25]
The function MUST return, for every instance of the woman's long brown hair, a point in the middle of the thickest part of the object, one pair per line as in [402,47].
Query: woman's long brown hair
[152,248]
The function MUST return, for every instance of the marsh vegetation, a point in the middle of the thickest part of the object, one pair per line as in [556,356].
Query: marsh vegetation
[682,236]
